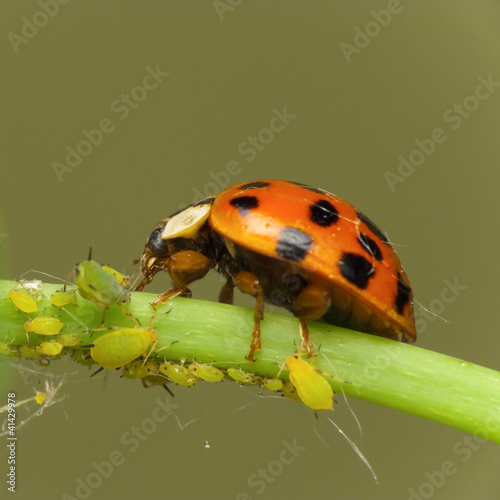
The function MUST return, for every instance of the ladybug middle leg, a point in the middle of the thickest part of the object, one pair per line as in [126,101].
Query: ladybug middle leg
[183,267]
[309,305]
[227,292]
[249,283]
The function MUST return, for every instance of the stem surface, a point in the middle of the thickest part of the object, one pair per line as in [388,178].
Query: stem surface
[400,376]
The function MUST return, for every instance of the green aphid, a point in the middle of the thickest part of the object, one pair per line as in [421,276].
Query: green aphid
[23,301]
[100,287]
[121,346]
[243,377]
[49,348]
[208,373]
[272,384]
[63,298]
[9,349]
[178,373]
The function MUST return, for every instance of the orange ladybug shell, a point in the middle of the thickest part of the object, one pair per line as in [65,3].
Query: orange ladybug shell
[330,241]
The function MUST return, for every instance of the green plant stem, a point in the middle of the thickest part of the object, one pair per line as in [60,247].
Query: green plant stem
[400,376]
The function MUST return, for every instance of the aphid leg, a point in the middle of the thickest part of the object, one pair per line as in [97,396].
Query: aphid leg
[105,310]
[168,390]
[184,268]
[99,370]
[310,304]
[227,292]
[127,310]
[282,367]
[151,350]
[147,385]
[153,346]
[249,283]
[102,328]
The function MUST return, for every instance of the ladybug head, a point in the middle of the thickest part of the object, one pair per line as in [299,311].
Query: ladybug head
[156,243]
[171,235]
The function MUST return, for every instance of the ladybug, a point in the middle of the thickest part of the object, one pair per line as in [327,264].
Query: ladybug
[292,245]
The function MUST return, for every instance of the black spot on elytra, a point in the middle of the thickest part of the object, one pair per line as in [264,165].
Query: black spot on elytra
[244,203]
[323,213]
[313,189]
[373,227]
[293,243]
[403,295]
[356,269]
[370,246]
[254,185]
[206,201]
[158,245]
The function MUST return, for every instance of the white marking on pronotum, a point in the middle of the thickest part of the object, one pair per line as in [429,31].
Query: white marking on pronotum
[187,223]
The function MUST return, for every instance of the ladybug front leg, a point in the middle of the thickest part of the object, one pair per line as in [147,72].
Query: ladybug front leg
[184,267]
[309,305]
[249,283]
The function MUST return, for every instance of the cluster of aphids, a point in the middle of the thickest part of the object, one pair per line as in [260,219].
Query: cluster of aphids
[131,348]
[306,385]
[50,341]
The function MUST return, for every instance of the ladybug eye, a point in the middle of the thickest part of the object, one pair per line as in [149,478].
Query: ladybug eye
[158,245]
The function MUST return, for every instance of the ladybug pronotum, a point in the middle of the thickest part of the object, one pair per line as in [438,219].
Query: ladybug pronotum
[295,246]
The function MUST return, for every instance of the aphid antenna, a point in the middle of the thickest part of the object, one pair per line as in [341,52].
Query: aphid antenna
[44,274]
[73,270]
[431,313]
[335,377]
[136,279]
[356,449]
[76,318]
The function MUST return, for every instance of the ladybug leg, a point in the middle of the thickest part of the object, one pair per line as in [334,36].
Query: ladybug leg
[249,283]
[184,268]
[226,293]
[310,304]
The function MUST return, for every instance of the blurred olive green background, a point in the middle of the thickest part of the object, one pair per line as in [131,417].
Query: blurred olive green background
[358,102]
